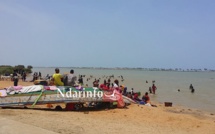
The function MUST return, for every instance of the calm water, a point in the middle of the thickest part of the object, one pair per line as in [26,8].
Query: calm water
[167,83]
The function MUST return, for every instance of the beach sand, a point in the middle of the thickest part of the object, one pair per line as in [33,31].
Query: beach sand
[135,119]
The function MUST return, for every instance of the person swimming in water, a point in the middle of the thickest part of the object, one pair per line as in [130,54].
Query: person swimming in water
[191,86]
[192,90]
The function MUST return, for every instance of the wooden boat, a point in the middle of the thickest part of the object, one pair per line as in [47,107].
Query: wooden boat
[38,94]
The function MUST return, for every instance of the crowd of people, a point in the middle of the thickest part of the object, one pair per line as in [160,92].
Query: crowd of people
[15,77]
[71,80]
[36,76]
[109,83]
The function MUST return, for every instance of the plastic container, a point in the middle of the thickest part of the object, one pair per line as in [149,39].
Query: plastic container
[168,104]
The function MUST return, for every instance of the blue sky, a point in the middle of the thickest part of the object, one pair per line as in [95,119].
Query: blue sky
[108,33]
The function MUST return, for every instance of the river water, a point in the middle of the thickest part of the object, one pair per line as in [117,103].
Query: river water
[167,83]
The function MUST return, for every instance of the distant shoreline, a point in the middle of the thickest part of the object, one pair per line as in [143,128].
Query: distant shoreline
[143,69]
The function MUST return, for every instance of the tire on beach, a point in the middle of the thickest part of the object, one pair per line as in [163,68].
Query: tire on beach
[58,108]
[25,107]
[78,106]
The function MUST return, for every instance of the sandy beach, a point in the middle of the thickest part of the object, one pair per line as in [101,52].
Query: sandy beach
[133,119]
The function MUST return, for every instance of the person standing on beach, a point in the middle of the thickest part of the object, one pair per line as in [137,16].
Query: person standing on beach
[23,76]
[57,78]
[108,83]
[80,80]
[116,84]
[40,75]
[104,85]
[132,91]
[154,88]
[71,79]
[15,78]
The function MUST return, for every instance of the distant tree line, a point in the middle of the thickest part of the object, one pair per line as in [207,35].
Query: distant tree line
[7,70]
[152,69]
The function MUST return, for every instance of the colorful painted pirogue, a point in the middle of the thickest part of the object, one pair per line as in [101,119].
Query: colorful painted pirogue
[38,94]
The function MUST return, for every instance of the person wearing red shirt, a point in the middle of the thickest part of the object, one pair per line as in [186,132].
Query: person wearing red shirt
[146,98]
[154,88]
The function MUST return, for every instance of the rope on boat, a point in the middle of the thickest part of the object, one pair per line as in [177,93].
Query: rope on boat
[29,98]
[35,102]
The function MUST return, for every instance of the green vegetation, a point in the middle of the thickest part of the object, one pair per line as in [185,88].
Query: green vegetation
[6,69]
